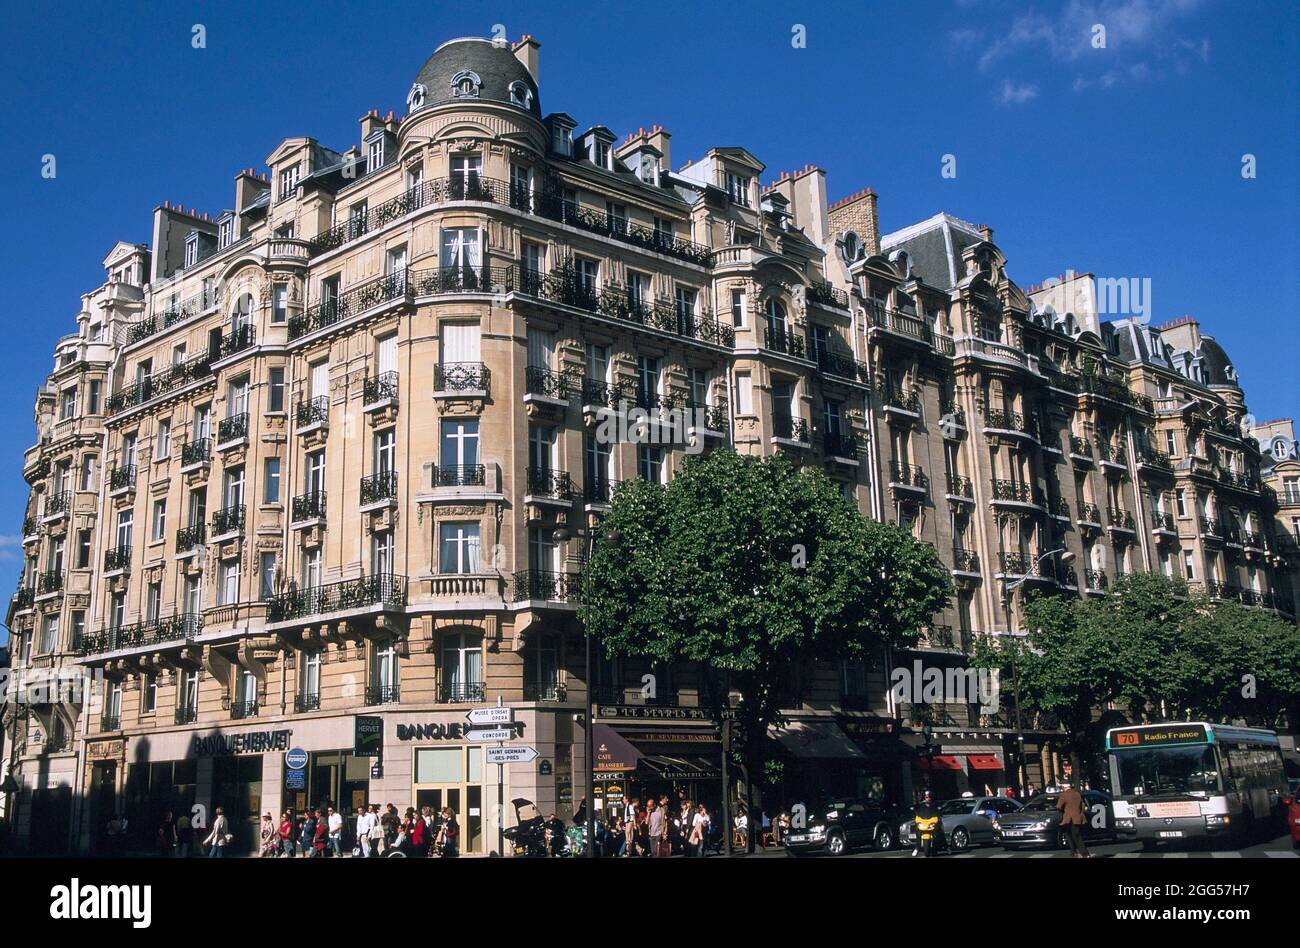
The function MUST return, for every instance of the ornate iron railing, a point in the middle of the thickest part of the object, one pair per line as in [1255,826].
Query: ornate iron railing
[459,475]
[228,520]
[380,486]
[387,590]
[462,377]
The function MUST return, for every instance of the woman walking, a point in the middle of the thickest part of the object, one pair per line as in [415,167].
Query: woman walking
[270,837]
[286,833]
[450,833]
[219,836]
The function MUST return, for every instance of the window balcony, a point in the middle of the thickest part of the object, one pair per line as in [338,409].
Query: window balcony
[57,505]
[228,521]
[894,400]
[378,488]
[187,715]
[545,691]
[121,478]
[545,585]
[117,560]
[455,378]
[908,477]
[1090,514]
[1162,522]
[821,291]
[331,310]
[1157,460]
[550,203]
[190,538]
[181,627]
[1119,519]
[50,581]
[385,590]
[840,445]
[1080,449]
[308,507]
[780,339]
[458,692]
[459,279]
[309,701]
[1059,508]
[1007,491]
[549,484]
[243,709]
[383,694]
[1096,580]
[460,475]
[1013,564]
[312,413]
[785,428]
[160,383]
[1012,421]
[232,429]
[596,393]
[599,491]
[24,598]
[1114,455]
[379,390]
[110,722]
[196,453]
[237,340]
[30,528]
[965,561]
[548,384]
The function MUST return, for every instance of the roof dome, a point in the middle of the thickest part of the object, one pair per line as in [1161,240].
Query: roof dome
[473,68]
[1219,369]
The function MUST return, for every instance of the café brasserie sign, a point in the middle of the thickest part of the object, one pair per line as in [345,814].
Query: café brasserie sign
[253,742]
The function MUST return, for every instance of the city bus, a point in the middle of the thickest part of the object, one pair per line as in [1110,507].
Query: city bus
[1194,779]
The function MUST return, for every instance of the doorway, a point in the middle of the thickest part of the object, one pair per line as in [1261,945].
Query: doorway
[453,776]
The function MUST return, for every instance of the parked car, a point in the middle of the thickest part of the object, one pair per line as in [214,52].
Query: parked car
[842,825]
[1038,822]
[967,821]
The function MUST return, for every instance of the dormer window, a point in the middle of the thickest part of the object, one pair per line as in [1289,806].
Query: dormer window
[521,95]
[288,182]
[648,169]
[375,155]
[191,249]
[226,233]
[415,98]
[562,140]
[599,153]
[465,85]
[738,189]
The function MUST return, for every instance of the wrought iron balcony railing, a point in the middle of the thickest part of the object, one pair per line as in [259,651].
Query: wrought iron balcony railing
[378,388]
[228,520]
[551,203]
[1162,521]
[187,715]
[158,384]
[308,506]
[335,309]
[539,380]
[58,503]
[49,581]
[780,339]
[545,585]
[1004,420]
[1080,446]
[455,692]
[243,709]
[379,487]
[909,475]
[312,411]
[1119,519]
[1095,579]
[387,590]
[959,486]
[545,482]
[1013,564]
[29,526]
[821,291]
[840,445]
[462,377]
[121,477]
[460,279]
[459,475]
[1089,513]
[237,340]
[545,691]
[118,558]
[790,429]
[1016,491]
[187,538]
[233,428]
[1111,454]
[198,451]
[599,490]
[904,401]
[383,694]
[307,701]
[110,722]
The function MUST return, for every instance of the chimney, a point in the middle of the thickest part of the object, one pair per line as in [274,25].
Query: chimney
[986,233]
[369,122]
[658,137]
[526,52]
[857,213]
[247,187]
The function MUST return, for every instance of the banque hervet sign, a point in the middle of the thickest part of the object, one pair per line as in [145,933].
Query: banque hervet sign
[254,742]
[452,731]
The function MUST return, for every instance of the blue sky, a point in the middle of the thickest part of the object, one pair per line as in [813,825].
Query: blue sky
[1125,160]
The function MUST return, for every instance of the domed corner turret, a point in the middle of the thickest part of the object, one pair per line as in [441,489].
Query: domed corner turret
[472,68]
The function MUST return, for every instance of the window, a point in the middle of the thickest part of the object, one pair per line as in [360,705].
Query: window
[466,171]
[92,399]
[562,140]
[191,250]
[288,182]
[128,451]
[744,394]
[311,568]
[600,153]
[395,263]
[738,189]
[1171,442]
[1188,569]
[384,451]
[83,549]
[638,290]
[125,523]
[459,444]
[1180,499]
[275,402]
[117,610]
[226,232]
[1291,490]
[460,249]
[309,675]
[598,461]
[686,297]
[543,666]
[153,602]
[738,308]
[543,448]
[384,667]
[68,404]
[202,422]
[158,521]
[229,588]
[280,303]
[616,217]
[88,464]
[271,481]
[49,639]
[193,595]
[232,488]
[113,702]
[465,84]
[521,95]
[149,694]
[650,463]
[381,554]
[533,259]
[375,155]
[314,482]
[266,574]
[462,667]
[598,362]
[586,274]
[163,440]
[458,548]
[189,692]
[541,348]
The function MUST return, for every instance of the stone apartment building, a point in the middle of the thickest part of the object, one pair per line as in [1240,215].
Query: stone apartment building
[335,454]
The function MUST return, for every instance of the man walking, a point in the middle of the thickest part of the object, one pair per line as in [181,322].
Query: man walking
[1074,814]
[365,823]
[336,832]
[658,826]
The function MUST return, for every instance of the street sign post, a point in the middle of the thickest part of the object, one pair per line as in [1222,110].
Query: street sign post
[498,715]
[517,754]
[295,758]
[489,734]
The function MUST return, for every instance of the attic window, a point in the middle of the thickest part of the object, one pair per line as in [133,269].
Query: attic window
[375,155]
[521,95]
[225,233]
[465,85]
[738,189]
[415,98]
[599,153]
[191,249]
[851,246]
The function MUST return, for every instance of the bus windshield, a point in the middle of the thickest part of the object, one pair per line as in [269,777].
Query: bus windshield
[1161,771]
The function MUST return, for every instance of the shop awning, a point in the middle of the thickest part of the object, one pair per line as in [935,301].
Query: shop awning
[816,739]
[613,753]
[938,762]
[679,768]
[983,762]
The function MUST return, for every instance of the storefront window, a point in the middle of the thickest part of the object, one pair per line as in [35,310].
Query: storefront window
[453,776]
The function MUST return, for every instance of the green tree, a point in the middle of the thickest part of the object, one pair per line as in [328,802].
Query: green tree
[1248,664]
[748,569]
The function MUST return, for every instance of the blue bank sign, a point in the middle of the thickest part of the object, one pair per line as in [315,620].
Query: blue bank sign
[295,758]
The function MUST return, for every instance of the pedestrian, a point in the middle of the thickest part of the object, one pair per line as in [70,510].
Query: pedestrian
[184,836]
[335,821]
[219,836]
[286,833]
[270,837]
[1074,814]
[364,821]
[417,831]
[656,826]
[320,836]
[307,833]
[740,838]
[1030,790]
[765,836]
[699,831]
[450,833]
[376,830]
[166,836]
[391,823]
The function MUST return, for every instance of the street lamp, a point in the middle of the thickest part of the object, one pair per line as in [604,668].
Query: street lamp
[1067,556]
[562,534]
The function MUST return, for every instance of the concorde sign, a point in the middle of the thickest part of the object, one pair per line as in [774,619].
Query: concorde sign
[484,734]
[517,754]
[498,715]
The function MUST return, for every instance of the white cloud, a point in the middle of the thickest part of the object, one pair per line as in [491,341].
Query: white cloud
[1013,93]
[8,546]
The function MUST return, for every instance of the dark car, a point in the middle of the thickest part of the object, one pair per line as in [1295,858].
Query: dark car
[1038,822]
[845,824]
[967,821]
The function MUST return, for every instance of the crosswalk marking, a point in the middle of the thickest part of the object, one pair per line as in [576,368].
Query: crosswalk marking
[1220,855]
[1274,854]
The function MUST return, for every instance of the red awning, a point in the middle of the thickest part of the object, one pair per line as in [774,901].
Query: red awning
[938,762]
[613,754]
[983,762]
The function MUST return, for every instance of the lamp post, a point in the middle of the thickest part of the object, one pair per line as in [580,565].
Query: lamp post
[560,535]
[1007,590]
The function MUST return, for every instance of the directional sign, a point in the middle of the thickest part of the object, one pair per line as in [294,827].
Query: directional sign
[511,755]
[498,715]
[490,734]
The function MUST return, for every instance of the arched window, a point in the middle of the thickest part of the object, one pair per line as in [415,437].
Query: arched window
[242,315]
[521,95]
[465,85]
[415,98]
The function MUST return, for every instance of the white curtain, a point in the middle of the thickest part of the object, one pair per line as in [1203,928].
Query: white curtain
[460,342]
